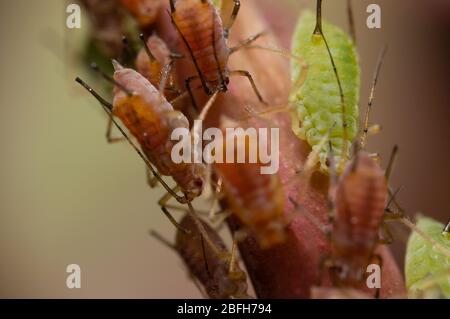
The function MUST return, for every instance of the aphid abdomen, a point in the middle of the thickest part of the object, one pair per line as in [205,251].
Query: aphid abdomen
[361,197]
[198,23]
[317,103]
[151,119]
[213,272]
[256,199]
[145,11]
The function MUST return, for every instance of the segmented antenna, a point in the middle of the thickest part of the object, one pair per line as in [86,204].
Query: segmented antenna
[318,31]
[363,141]
[108,78]
[147,49]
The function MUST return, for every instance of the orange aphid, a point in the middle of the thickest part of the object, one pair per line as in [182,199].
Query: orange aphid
[360,199]
[256,199]
[151,119]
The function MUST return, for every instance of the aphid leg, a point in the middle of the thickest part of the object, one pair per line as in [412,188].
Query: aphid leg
[162,240]
[151,180]
[109,134]
[351,20]
[379,261]
[365,132]
[252,82]
[232,19]
[162,202]
[247,43]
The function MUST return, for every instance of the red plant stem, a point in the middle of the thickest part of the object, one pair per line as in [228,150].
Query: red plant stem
[291,269]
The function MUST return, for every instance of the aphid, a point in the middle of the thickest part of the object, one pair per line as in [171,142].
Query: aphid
[151,119]
[154,61]
[145,11]
[360,198]
[427,261]
[204,34]
[220,275]
[256,199]
[328,96]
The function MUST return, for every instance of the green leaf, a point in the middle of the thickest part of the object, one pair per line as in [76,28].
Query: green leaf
[427,269]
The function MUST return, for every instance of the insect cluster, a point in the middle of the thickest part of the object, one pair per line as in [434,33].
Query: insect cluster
[151,99]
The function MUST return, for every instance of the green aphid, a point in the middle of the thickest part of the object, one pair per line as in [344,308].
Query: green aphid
[427,269]
[316,104]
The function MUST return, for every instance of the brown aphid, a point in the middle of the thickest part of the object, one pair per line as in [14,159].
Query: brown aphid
[256,199]
[151,119]
[204,34]
[220,279]
[153,60]
[360,198]
[145,11]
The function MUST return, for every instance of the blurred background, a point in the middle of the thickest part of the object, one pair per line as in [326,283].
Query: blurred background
[66,196]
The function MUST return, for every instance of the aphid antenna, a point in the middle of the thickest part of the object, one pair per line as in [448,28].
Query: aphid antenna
[319,31]
[106,105]
[108,78]
[392,197]
[391,163]
[108,109]
[376,75]
[442,249]
[146,48]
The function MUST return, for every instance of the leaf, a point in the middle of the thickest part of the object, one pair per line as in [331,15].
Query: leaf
[426,267]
